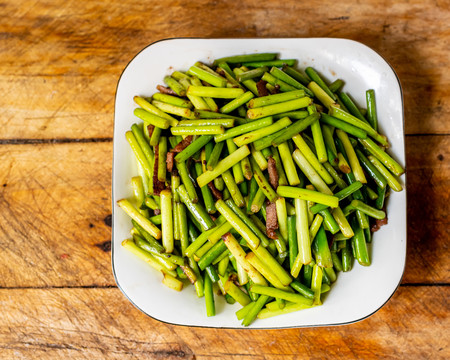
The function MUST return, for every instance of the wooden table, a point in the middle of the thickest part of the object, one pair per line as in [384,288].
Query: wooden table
[59,65]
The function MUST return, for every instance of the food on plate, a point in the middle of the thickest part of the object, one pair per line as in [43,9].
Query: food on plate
[256,181]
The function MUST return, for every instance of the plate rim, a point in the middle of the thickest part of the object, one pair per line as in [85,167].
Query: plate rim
[113,201]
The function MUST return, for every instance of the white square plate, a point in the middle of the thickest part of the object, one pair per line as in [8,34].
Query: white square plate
[356,294]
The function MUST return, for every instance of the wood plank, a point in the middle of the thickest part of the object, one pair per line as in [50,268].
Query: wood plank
[67,76]
[101,324]
[428,186]
[55,199]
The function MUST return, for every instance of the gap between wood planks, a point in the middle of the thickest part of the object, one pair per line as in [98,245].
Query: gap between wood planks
[107,139]
[53,141]
[115,286]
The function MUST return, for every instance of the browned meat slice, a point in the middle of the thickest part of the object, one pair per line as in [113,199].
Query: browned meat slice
[261,87]
[150,129]
[273,174]
[169,161]
[216,193]
[183,144]
[166,90]
[271,220]
[378,224]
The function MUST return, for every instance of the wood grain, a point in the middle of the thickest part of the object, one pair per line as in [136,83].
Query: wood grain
[60,65]
[428,184]
[54,200]
[101,324]
[57,196]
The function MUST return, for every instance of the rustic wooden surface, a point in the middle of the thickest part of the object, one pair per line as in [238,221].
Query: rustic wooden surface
[59,65]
